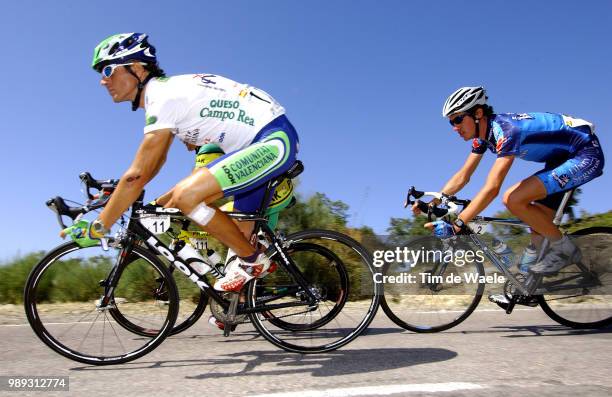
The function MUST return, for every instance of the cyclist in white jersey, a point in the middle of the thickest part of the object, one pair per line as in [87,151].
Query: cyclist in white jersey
[248,124]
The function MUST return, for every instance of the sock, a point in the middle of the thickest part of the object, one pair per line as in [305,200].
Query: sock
[251,258]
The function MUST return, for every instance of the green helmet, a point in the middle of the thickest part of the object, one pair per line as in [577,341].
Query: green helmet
[122,48]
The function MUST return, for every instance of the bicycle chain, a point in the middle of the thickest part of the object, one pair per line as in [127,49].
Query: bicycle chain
[221,316]
[278,317]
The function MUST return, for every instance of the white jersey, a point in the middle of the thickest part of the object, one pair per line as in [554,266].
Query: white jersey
[205,108]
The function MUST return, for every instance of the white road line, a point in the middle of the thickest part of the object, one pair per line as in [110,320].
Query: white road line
[380,390]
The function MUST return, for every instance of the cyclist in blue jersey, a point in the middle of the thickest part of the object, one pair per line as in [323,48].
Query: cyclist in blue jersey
[566,145]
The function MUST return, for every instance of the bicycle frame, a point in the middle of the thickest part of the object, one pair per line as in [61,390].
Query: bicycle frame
[533,284]
[135,228]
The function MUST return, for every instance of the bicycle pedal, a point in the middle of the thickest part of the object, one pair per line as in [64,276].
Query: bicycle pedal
[511,305]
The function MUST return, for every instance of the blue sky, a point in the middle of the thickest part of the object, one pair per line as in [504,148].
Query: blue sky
[362,81]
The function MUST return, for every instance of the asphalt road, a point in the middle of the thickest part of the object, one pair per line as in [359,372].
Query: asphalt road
[491,353]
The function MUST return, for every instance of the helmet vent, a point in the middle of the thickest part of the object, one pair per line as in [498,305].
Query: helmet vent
[113,49]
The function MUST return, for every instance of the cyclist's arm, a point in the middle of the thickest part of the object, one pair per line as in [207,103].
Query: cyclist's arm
[150,156]
[462,177]
[490,190]
[458,181]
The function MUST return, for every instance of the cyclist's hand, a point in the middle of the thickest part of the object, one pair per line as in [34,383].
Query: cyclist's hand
[441,229]
[80,232]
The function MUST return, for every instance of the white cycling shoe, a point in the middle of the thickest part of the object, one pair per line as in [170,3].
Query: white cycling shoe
[500,299]
[238,273]
[562,253]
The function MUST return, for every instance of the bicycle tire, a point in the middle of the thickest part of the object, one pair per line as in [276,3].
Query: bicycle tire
[39,291]
[596,310]
[187,317]
[432,308]
[344,326]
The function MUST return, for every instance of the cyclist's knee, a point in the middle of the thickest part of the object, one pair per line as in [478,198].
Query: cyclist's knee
[514,201]
[185,197]
[197,188]
[181,198]
[510,199]
[170,204]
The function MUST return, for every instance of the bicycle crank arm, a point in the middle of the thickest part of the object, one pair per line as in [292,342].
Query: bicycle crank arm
[231,314]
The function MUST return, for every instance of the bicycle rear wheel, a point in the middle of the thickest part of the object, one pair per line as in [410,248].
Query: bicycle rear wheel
[589,304]
[431,294]
[192,302]
[62,296]
[339,270]
[334,288]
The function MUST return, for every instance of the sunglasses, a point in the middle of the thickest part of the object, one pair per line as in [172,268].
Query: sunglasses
[108,70]
[457,120]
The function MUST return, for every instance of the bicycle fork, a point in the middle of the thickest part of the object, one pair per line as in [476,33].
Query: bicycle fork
[111,281]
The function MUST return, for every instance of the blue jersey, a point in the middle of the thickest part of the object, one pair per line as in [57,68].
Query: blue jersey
[539,137]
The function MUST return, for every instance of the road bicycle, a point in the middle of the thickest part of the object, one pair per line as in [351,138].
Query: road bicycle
[117,301]
[446,288]
[193,301]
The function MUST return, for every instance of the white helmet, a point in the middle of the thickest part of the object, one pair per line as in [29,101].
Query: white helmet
[464,99]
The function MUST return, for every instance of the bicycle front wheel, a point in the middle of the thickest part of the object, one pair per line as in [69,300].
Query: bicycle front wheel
[62,305]
[434,291]
[339,271]
[583,299]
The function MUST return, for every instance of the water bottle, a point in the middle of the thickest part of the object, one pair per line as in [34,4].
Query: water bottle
[213,257]
[530,256]
[215,260]
[504,252]
[193,259]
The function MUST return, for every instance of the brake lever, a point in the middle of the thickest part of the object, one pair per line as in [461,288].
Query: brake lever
[53,207]
[407,202]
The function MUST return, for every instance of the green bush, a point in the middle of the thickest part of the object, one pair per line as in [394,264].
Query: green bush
[79,277]
[13,277]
